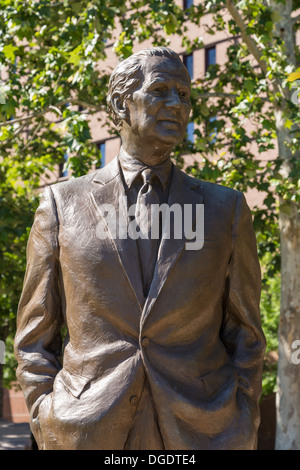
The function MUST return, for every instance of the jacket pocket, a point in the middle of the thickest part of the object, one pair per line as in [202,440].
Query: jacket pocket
[75,384]
[219,379]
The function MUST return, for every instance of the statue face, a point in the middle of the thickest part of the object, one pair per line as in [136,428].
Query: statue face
[159,110]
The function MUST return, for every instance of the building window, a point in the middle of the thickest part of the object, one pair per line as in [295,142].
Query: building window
[101,147]
[212,130]
[63,171]
[188,61]
[187,4]
[190,132]
[210,57]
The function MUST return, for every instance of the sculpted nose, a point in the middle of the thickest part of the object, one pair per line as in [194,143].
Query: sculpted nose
[173,100]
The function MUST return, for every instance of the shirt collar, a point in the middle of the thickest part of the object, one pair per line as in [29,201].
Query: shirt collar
[132,167]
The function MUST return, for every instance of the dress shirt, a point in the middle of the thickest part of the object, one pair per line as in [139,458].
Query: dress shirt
[132,169]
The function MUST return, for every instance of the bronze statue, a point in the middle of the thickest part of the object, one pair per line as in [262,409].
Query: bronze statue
[164,346]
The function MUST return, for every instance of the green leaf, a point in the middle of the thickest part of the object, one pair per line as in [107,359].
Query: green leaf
[288,124]
[75,55]
[9,52]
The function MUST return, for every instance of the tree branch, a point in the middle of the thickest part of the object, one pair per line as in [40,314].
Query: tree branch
[225,95]
[58,4]
[24,118]
[32,136]
[246,37]
[16,132]
[217,95]
[249,41]
[49,109]
[84,104]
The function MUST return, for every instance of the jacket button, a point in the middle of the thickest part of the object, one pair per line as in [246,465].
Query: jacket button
[133,400]
[145,341]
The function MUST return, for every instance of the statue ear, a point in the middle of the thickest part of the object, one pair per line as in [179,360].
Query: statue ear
[120,107]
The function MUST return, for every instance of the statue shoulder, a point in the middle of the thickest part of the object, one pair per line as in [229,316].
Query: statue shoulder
[73,185]
[210,189]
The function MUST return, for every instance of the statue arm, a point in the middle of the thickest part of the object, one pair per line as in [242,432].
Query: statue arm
[39,318]
[241,330]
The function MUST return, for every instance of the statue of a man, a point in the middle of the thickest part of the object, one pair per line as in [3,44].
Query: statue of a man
[164,346]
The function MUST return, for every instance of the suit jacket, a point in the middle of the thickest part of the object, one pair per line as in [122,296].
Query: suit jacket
[197,338]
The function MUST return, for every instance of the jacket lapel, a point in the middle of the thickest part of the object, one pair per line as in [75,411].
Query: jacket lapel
[183,190]
[110,191]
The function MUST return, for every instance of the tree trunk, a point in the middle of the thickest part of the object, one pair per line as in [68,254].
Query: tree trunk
[1,391]
[288,409]
[288,378]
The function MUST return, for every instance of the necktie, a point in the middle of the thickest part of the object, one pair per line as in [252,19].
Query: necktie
[147,246]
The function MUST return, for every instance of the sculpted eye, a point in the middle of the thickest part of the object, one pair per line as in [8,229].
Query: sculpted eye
[183,94]
[157,90]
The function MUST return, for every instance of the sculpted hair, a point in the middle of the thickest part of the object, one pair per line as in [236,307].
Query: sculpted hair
[128,76]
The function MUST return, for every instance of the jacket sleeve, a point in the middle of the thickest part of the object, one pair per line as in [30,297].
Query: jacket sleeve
[241,330]
[39,319]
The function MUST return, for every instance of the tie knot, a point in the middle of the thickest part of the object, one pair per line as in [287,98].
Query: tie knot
[148,175]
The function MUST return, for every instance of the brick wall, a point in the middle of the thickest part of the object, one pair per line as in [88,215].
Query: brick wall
[14,406]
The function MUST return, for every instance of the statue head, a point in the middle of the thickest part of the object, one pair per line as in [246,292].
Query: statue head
[149,99]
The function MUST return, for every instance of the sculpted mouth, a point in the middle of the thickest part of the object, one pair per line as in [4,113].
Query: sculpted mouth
[174,121]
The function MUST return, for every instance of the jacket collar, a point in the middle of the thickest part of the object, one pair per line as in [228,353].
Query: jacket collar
[108,172]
